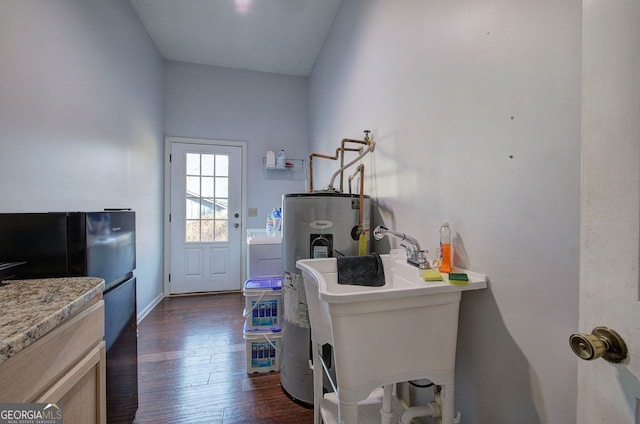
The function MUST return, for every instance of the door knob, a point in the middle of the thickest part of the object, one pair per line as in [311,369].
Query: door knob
[602,342]
[236,225]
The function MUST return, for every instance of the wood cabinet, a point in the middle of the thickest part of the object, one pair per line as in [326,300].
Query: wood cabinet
[65,366]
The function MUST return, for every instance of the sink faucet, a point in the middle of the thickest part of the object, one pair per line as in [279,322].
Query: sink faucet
[415,255]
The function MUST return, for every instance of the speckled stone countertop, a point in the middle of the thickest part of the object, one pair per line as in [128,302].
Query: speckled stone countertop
[29,309]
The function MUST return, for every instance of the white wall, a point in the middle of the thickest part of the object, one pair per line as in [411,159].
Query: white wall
[81,117]
[266,110]
[475,108]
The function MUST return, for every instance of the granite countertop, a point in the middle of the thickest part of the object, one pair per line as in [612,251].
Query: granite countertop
[29,309]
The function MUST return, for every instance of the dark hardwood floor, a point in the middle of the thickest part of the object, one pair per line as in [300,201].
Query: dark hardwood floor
[192,367]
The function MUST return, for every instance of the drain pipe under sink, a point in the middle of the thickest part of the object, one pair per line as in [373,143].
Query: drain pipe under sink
[430,410]
[433,409]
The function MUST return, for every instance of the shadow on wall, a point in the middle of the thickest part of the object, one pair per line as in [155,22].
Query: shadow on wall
[630,386]
[493,377]
[377,211]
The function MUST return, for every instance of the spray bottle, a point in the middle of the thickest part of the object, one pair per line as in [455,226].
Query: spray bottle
[270,227]
[445,247]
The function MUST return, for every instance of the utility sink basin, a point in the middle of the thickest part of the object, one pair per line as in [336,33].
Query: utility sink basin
[404,330]
[401,280]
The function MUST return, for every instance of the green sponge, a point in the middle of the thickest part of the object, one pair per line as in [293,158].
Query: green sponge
[431,275]
[459,279]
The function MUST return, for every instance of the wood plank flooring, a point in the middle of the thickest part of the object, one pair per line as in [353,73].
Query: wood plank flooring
[192,367]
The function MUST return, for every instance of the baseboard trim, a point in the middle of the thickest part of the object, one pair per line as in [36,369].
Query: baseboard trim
[142,314]
[204,293]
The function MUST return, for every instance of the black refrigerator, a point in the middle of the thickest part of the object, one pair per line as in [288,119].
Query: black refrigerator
[95,244]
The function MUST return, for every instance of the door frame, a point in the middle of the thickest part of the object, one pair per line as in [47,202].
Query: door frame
[167,200]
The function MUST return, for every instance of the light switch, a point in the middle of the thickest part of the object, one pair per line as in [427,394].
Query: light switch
[253,212]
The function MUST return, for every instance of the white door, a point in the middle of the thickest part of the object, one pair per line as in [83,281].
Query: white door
[610,217]
[205,227]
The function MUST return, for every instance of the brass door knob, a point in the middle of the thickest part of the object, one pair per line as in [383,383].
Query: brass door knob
[603,343]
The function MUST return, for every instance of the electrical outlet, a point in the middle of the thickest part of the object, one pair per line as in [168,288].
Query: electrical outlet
[253,212]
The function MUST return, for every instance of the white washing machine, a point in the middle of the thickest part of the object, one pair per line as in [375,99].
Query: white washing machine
[264,254]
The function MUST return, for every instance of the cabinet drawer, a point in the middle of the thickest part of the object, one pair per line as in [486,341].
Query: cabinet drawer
[41,364]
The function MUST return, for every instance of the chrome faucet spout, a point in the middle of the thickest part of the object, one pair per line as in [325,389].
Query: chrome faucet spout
[379,232]
[415,255]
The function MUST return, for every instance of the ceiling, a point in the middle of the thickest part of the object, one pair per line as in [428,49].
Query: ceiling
[279,36]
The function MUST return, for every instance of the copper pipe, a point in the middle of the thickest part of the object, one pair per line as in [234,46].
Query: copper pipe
[370,148]
[343,149]
[359,149]
[339,154]
[359,169]
[319,155]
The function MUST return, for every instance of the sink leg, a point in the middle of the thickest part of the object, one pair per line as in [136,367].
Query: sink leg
[317,383]
[447,404]
[347,412]
[386,411]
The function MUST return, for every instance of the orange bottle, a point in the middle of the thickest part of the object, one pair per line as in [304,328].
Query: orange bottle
[445,247]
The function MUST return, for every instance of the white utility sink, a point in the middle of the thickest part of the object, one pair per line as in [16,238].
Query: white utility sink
[404,330]
[401,280]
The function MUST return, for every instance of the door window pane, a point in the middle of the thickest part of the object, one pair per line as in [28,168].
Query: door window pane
[222,187]
[192,232]
[207,187]
[208,208]
[222,165]
[207,165]
[193,208]
[193,186]
[193,164]
[207,230]
[222,231]
[222,209]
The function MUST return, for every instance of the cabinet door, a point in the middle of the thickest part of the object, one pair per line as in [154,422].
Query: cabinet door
[81,391]
[34,369]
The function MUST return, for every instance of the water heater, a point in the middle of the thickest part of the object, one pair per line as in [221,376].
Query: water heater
[314,225]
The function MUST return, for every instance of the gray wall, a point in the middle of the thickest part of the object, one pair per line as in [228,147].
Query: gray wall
[266,110]
[475,109]
[81,117]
